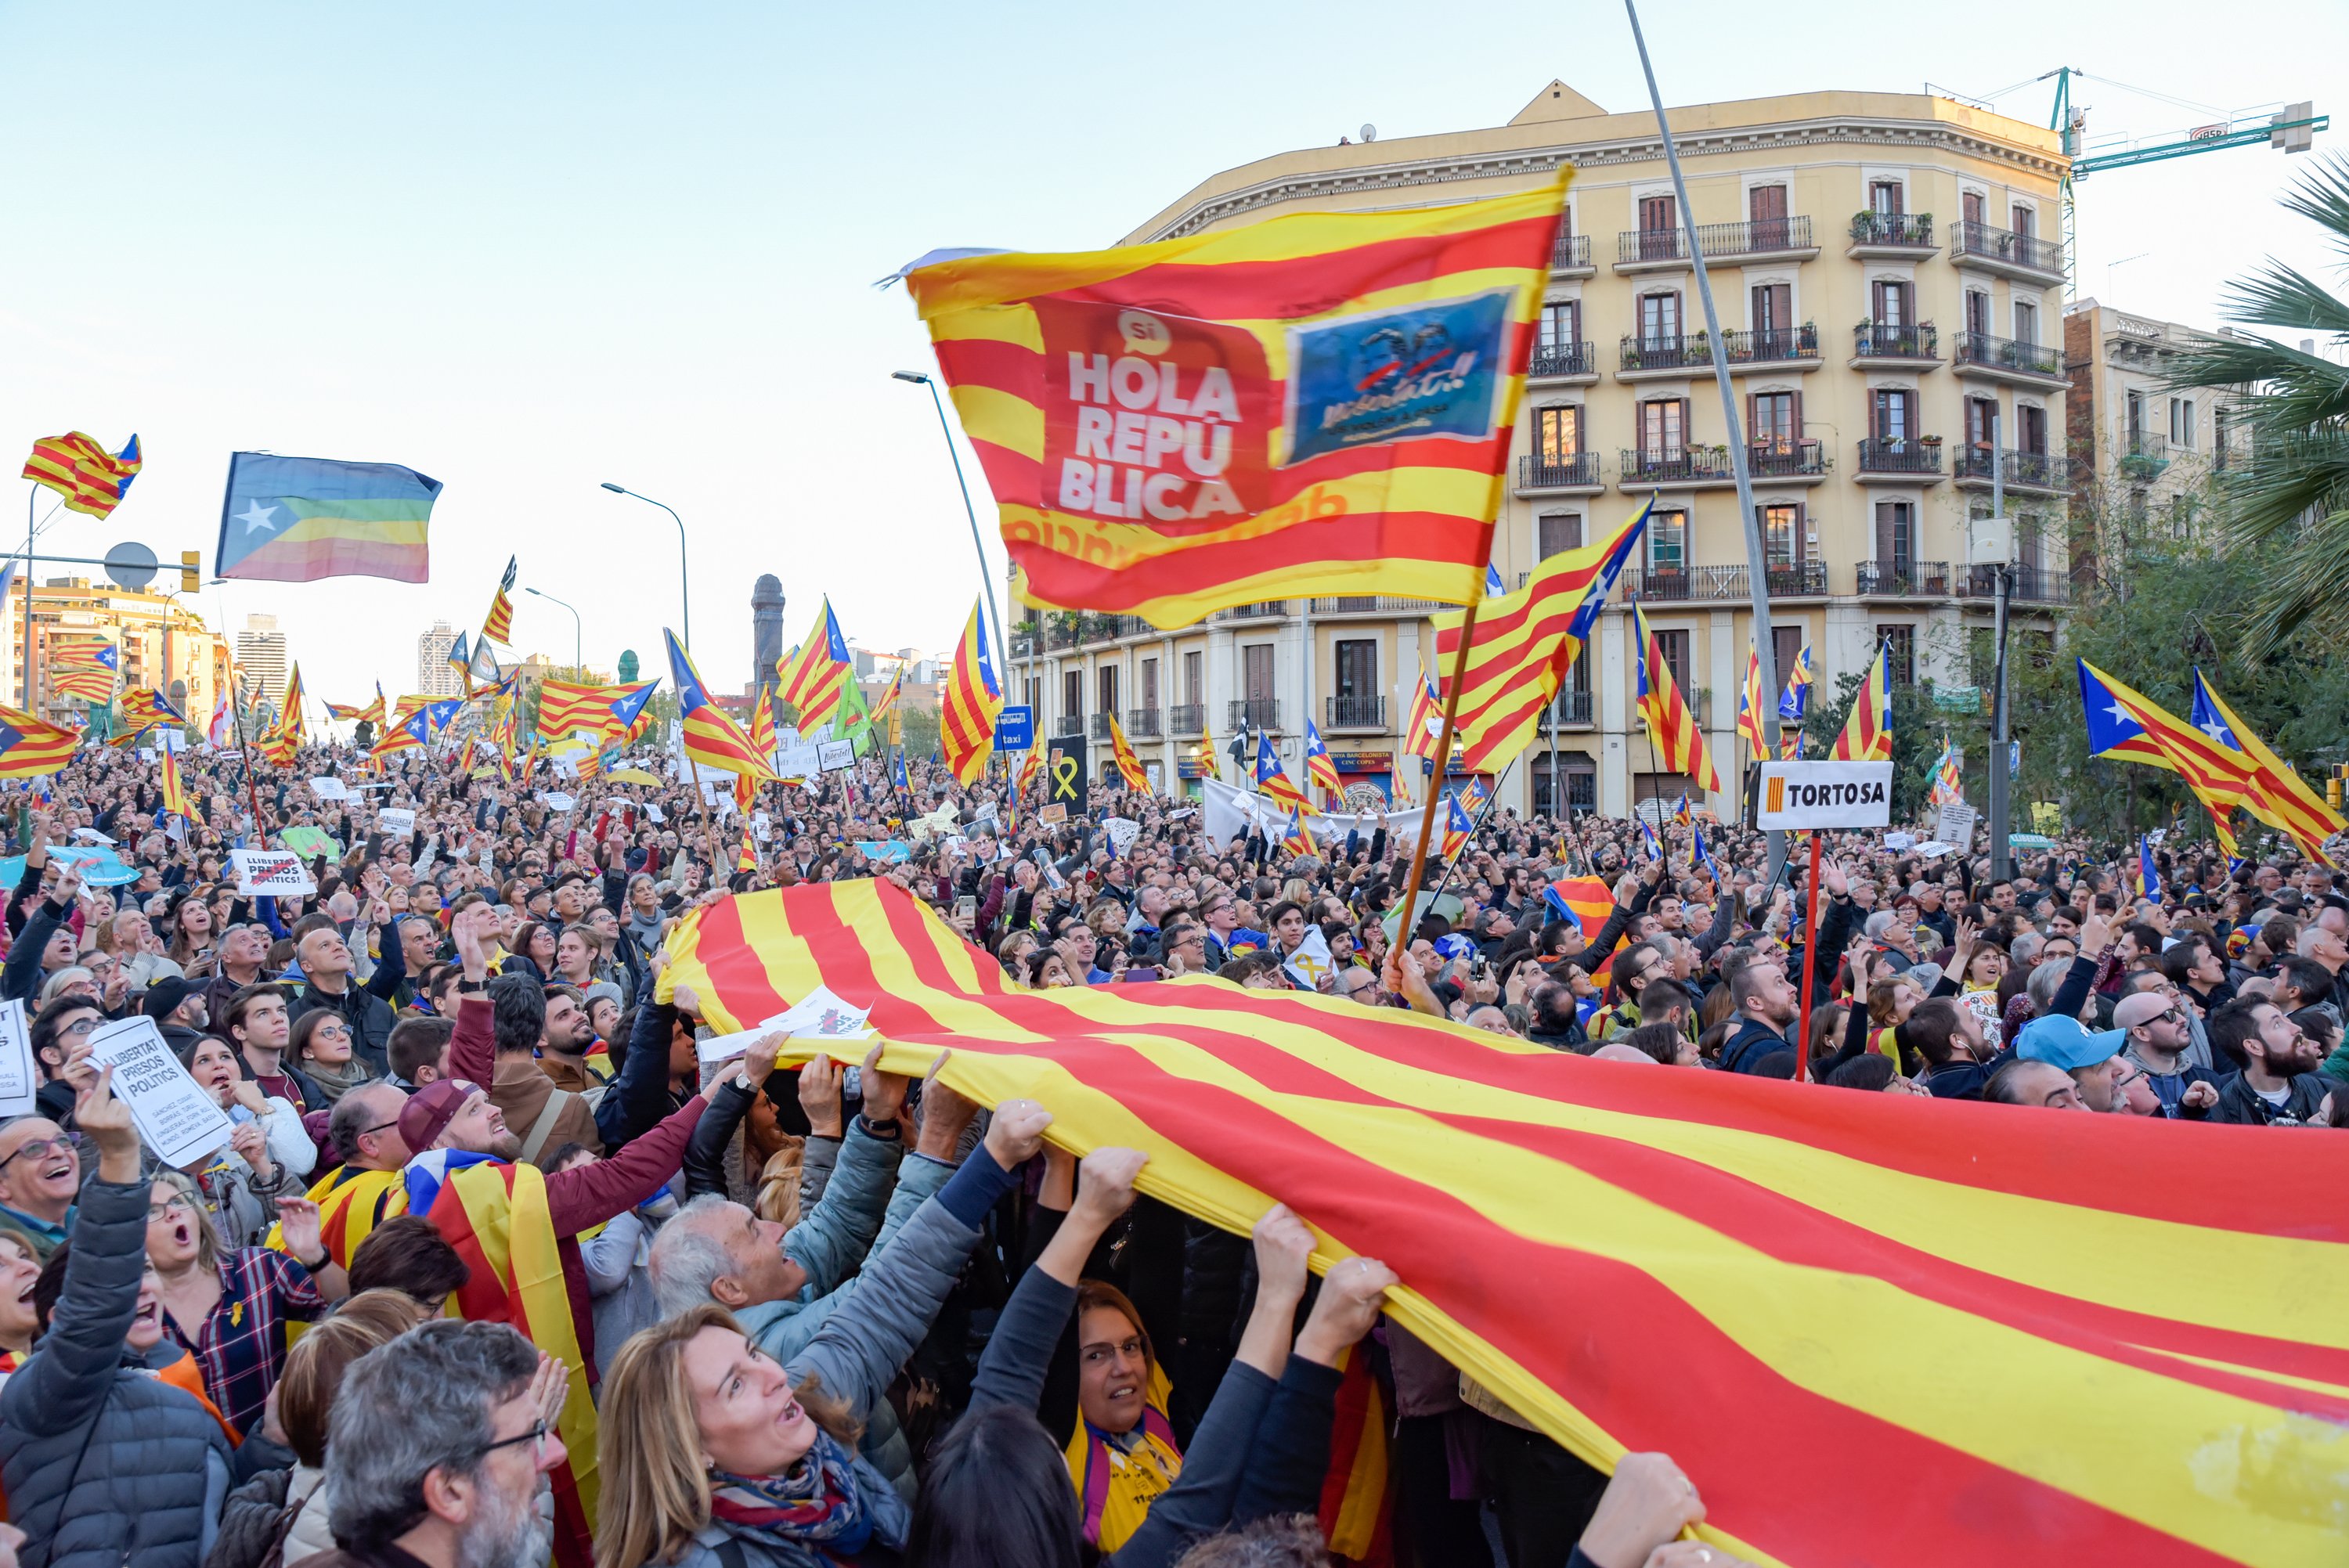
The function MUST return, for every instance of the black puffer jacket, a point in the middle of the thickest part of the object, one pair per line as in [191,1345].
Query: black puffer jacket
[105,1466]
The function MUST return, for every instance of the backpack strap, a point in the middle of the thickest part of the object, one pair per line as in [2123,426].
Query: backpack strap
[543,1128]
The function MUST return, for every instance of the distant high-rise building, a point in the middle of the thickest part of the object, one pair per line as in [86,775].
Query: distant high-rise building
[260,654]
[435,676]
[766,629]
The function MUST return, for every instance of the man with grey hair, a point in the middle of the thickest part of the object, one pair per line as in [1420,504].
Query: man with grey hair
[439,1450]
[326,967]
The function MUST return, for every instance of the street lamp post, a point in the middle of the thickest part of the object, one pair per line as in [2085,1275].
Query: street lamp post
[578,664]
[985,588]
[684,593]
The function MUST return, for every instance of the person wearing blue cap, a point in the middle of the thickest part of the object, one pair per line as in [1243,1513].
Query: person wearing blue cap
[2092,1057]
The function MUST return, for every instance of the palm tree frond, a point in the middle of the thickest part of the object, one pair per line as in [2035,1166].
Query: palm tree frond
[2322,198]
[2282,297]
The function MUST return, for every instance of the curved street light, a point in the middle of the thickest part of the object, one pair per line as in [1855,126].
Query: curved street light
[684,593]
[986,587]
[578,667]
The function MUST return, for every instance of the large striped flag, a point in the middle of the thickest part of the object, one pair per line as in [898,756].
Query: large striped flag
[1272,780]
[1866,734]
[2126,726]
[1319,767]
[2274,793]
[566,708]
[1121,750]
[84,669]
[1320,403]
[2146,1368]
[346,712]
[30,746]
[1457,826]
[1030,766]
[88,477]
[498,624]
[886,707]
[762,729]
[1679,743]
[710,739]
[144,709]
[1588,902]
[410,733]
[285,737]
[972,700]
[1525,643]
[812,675]
[296,520]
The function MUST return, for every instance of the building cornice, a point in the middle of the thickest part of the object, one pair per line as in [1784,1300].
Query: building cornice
[1539,162]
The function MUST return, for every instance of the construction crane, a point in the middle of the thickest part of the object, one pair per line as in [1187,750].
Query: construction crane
[2287,127]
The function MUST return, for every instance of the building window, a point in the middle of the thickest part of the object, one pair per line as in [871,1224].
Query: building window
[1358,668]
[2219,439]
[1150,685]
[1765,205]
[1557,533]
[1663,421]
[1895,416]
[1884,197]
[2025,219]
[1557,432]
[1982,421]
[1561,327]
[2026,322]
[1775,420]
[1659,217]
[1977,312]
[1660,319]
[1106,686]
[1256,671]
[1195,678]
[1674,646]
[1785,646]
[2030,540]
[2031,425]
[1970,207]
[1668,542]
[1073,695]
[1773,309]
[2181,423]
[2133,421]
[1781,533]
[1896,536]
[1892,301]
[1900,654]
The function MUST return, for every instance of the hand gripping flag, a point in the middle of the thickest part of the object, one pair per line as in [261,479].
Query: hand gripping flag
[86,475]
[2276,795]
[497,626]
[710,737]
[1319,768]
[30,748]
[1680,744]
[1866,734]
[296,520]
[813,675]
[972,700]
[1272,780]
[1129,766]
[1749,706]
[1525,643]
[1320,403]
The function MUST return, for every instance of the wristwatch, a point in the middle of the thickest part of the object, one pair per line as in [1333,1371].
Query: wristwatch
[326,1260]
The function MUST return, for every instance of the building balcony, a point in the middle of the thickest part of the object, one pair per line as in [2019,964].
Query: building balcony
[1900,578]
[1802,461]
[1757,240]
[1144,723]
[2025,586]
[1572,256]
[1255,713]
[2042,473]
[1100,726]
[1774,348]
[1376,605]
[1563,362]
[2024,257]
[1187,718]
[1560,475]
[1892,234]
[1644,358]
[2143,459]
[1570,710]
[1354,712]
[1264,610]
[1900,460]
[1875,344]
[2010,359]
[1683,466]
[1071,723]
[1694,584]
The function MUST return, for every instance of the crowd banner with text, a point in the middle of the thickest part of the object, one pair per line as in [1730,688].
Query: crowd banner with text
[274,872]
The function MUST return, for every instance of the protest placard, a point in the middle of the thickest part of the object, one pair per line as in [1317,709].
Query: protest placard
[833,756]
[304,838]
[557,801]
[275,873]
[1956,827]
[820,1015]
[326,787]
[398,820]
[1053,815]
[18,1081]
[179,1122]
[1122,832]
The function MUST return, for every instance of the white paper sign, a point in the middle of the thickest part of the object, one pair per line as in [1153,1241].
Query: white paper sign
[1825,795]
[801,762]
[820,1015]
[92,835]
[656,813]
[398,820]
[1122,832]
[1311,960]
[1897,842]
[557,801]
[18,1081]
[277,872]
[1956,827]
[326,788]
[834,755]
[176,1119]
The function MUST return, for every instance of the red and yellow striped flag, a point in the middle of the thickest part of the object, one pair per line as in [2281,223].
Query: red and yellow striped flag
[973,698]
[1524,645]
[1680,743]
[31,746]
[175,793]
[86,475]
[1318,403]
[1749,706]
[1129,766]
[498,624]
[1866,734]
[2147,1369]
[814,675]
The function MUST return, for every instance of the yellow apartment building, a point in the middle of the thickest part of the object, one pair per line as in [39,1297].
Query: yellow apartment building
[1889,285]
[162,645]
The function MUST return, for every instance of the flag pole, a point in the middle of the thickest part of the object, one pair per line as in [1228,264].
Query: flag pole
[1442,760]
[1483,813]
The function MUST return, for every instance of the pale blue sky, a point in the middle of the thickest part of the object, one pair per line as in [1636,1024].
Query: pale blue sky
[528,248]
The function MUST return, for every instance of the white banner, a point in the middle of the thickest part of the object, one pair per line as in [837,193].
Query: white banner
[176,1119]
[1825,795]
[1230,813]
[277,872]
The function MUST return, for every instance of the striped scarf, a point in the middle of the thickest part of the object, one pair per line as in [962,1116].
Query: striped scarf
[811,1515]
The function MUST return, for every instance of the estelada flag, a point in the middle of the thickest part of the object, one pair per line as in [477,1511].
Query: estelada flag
[1318,403]
[175,794]
[31,746]
[1679,743]
[1866,734]
[86,475]
[971,703]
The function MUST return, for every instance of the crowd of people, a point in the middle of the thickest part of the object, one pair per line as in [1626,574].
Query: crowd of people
[827,1316]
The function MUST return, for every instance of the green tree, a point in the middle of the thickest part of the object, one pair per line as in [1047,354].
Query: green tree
[921,732]
[2294,484]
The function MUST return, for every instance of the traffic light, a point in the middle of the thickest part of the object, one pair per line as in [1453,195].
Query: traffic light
[191,570]
[2333,778]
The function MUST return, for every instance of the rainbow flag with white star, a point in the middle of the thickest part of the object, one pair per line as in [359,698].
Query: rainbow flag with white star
[296,520]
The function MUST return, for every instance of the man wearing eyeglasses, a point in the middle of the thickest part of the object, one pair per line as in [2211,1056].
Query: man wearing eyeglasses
[2158,1035]
[40,1177]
